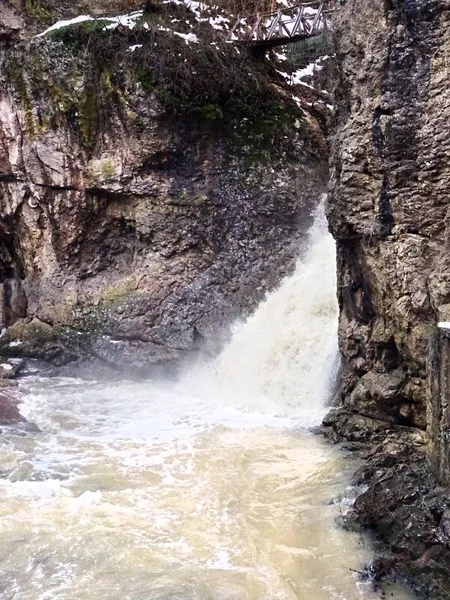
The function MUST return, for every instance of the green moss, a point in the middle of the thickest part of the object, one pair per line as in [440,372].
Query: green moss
[108,168]
[208,82]
[88,117]
[16,75]
[105,169]
[36,10]
[91,38]
[210,112]
[75,34]
[90,176]
[37,89]
[201,81]
[111,88]
[266,132]
[117,294]
[144,77]
[34,334]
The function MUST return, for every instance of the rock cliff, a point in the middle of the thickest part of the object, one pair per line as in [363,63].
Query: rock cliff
[389,212]
[388,207]
[153,184]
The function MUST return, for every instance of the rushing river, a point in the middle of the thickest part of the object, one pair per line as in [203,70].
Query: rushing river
[207,488]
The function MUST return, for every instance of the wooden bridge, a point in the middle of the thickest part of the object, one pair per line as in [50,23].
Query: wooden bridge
[284,26]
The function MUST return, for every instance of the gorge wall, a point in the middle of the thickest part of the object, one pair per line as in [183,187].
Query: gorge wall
[389,212]
[388,207]
[147,197]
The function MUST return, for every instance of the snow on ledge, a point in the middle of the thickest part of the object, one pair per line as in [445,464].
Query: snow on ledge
[128,20]
[444,325]
[61,24]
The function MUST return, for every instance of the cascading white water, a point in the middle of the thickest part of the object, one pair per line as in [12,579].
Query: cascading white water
[286,353]
[208,488]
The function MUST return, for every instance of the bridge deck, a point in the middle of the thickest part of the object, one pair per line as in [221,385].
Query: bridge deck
[283,26]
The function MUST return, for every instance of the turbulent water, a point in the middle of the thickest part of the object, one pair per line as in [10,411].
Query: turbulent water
[208,488]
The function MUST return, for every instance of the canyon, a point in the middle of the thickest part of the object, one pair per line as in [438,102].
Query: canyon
[140,219]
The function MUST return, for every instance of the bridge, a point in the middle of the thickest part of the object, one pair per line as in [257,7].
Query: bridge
[283,26]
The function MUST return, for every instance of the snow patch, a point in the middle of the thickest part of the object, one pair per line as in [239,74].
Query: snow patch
[62,24]
[218,22]
[187,37]
[128,20]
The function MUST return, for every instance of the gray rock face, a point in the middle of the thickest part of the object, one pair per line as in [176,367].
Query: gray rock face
[11,23]
[388,206]
[388,210]
[129,234]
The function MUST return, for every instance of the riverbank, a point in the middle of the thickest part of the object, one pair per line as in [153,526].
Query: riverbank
[402,504]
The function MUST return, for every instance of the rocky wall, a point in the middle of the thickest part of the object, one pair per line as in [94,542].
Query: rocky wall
[138,216]
[389,200]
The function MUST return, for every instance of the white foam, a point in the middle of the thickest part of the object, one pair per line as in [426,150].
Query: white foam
[285,355]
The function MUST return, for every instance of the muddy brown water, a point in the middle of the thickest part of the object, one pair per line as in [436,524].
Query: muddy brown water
[184,501]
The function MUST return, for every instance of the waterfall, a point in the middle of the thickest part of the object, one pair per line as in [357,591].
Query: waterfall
[283,359]
[286,353]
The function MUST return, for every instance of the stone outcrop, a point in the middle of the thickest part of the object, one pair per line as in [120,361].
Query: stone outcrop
[11,398]
[9,412]
[399,501]
[388,207]
[135,228]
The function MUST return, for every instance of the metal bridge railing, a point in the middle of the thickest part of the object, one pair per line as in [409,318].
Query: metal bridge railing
[285,25]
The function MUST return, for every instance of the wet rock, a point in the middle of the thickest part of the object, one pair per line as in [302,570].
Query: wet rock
[11,23]
[377,391]
[10,398]
[401,501]
[406,509]
[9,411]
[10,370]
[444,526]
[389,175]
[355,427]
[8,383]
